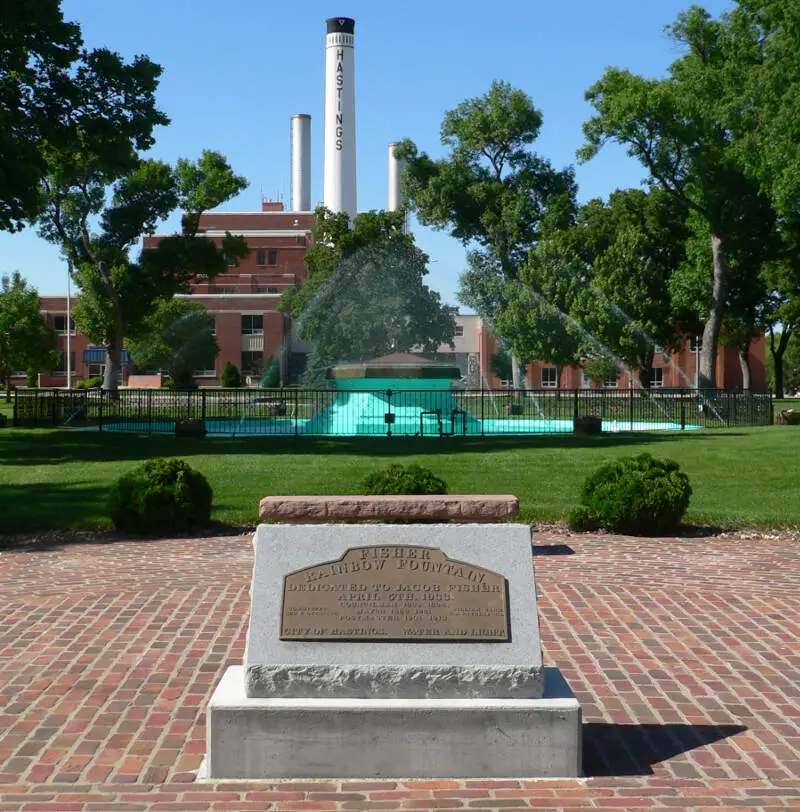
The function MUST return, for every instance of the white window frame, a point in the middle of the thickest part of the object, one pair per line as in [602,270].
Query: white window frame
[252,331]
[546,382]
[656,377]
[63,332]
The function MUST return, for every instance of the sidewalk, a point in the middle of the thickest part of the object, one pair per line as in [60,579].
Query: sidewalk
[685,655]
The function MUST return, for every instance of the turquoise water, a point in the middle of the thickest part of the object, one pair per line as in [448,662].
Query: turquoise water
[249,427]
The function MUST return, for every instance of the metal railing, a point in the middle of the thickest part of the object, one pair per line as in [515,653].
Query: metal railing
[236,412]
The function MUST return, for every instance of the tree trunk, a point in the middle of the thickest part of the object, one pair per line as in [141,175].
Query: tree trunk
[517,373]
[777,357]
[113,362]
[646,369]
[707,376]
[744,362]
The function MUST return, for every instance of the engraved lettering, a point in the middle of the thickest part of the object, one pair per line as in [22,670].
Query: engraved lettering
[421,595]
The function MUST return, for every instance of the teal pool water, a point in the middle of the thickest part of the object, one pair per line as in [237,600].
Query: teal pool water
[469,426]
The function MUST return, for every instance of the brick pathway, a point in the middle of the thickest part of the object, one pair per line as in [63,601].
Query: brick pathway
[684,653]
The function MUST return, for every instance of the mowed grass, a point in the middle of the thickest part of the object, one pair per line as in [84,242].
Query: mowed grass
[59,479]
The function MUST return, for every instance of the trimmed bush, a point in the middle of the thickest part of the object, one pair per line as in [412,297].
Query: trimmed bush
[633,495]
[89,383]
[397,479]
[230,377]
[159,497]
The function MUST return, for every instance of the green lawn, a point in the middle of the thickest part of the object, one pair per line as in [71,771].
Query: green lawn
[58,479]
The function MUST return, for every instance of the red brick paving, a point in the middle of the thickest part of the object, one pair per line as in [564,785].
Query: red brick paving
[684,653]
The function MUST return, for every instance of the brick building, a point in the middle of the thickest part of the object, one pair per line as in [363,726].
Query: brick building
[250,330]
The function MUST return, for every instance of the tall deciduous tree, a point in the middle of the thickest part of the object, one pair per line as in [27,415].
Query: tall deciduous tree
[631,247]
[118,293]
[26,342]
[365,295]
[491,192]
[63,107]
[681,129]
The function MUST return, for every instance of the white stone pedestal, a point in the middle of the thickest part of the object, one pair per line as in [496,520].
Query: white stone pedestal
[257,738]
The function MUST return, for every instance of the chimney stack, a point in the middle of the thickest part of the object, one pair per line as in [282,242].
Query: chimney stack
[339,188]
[301,162]
[396,167]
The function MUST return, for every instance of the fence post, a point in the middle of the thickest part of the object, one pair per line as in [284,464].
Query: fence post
[14,419]
[630,408]
[683,411]
[389,405]
[482,408]
[575,404]
[100,413]
[296,411]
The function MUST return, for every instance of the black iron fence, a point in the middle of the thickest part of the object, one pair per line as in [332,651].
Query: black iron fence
[236,412]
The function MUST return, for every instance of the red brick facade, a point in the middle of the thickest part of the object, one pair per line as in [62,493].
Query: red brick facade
[250,330]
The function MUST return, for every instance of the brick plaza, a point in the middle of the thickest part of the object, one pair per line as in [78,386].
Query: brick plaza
[685,654]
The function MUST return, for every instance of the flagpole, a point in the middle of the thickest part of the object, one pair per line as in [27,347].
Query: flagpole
[69,326]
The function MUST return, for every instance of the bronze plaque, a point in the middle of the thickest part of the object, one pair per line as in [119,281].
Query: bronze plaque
[396,592]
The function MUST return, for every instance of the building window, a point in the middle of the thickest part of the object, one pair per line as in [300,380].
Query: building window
[272,257]
[696,344]
[60,325]
[213,326]
[252,325]
[549,377]
[657,376]
[204,373]
[223,291]
[230,259]
[610,383]
[61,369]
[261,256]
[95,370]
[270,289]
[459,330]
[252,361]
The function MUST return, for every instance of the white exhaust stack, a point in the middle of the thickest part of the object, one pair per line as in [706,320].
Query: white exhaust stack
[339,188]
[396,167]
[301,162]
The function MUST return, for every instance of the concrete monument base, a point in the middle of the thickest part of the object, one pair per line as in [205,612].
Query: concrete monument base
[329,737]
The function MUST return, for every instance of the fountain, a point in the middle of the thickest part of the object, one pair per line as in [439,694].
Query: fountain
[395,394]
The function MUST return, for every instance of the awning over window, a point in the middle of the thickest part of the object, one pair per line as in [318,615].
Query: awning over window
[97,355]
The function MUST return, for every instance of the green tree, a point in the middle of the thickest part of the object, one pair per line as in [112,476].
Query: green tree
[365,294]
[62,106]
[680,128]
[631,247]
[118,293]
[781,318]
[538,302]
[26,342]
[178,336]
[491,192]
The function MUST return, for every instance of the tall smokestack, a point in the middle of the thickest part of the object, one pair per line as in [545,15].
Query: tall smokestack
[339,192]
[301,162]
[396,167]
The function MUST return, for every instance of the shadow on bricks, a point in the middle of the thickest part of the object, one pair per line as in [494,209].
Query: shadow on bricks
[613,750]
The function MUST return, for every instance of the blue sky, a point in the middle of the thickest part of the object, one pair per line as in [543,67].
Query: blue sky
[235,72]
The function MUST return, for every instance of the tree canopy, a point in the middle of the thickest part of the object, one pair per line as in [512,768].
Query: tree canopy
[65,107]
[365,295]
[491,192]
[117,293]
[26,342]
[178,336]
[694,132]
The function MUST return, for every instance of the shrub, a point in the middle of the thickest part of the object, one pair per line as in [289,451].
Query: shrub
[397,479]
[633,495]
[160,496]
[272,377]
[230,378]
[89,383]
